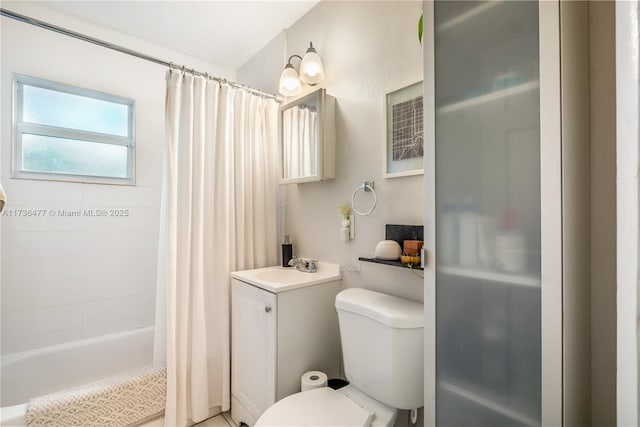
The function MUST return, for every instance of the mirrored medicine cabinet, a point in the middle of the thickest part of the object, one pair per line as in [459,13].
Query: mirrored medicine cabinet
[307,139]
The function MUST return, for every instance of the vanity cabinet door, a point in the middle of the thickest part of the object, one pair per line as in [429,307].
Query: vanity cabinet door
[253,351]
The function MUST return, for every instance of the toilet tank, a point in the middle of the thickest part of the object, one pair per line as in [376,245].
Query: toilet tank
[382,344]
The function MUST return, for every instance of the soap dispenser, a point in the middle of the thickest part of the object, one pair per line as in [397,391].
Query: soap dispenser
[287,251]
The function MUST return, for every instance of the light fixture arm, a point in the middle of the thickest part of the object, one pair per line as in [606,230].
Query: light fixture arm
[291,57]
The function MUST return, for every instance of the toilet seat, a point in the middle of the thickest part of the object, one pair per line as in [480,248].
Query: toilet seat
[313,408]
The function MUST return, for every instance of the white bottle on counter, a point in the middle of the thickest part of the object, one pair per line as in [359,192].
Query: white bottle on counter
[511,246]
[487,228]
[511,255]
[468,241]
[449,239]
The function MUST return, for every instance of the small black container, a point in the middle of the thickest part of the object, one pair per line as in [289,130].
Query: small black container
[287,252]
[337,383]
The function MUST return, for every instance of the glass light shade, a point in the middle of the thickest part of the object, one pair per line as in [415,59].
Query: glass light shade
[311,70]
[290,82]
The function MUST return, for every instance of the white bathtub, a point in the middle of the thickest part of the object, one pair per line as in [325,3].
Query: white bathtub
[38,372]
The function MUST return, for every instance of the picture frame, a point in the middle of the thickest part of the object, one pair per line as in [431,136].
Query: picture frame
[404,142]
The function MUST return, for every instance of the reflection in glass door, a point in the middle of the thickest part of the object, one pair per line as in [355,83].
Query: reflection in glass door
[487,145]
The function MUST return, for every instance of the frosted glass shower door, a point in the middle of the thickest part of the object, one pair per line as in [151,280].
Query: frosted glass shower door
[487,194]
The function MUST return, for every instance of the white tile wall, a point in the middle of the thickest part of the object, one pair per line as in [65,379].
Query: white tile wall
[115,196]
[17,244]
[78,277]
[149,160]
[123,263]
[30,193]
[138,218]
[37,321]
[44,221]
[64,278]
[120,285]
[18,297]
[118,314]
[34,269]
[119,240]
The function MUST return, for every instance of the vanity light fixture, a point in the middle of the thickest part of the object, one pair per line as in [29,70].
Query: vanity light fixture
[311,70]
[311,73]
[290,84]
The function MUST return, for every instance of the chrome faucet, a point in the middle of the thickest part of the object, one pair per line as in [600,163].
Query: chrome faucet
[305,265]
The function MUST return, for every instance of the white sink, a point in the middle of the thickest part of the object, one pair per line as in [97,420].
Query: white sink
[277,279]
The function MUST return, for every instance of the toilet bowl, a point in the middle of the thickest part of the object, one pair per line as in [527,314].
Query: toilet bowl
[382,345]
[346,407]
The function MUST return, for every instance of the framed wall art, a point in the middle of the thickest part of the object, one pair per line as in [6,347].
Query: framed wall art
[404,148]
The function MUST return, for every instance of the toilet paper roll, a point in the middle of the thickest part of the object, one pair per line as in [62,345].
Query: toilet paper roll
[313,379]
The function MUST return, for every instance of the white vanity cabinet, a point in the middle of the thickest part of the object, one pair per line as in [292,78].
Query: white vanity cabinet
[283,323]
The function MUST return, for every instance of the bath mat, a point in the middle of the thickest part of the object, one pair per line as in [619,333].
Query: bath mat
[119,401]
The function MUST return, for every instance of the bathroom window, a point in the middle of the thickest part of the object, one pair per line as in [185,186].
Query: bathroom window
[67,133]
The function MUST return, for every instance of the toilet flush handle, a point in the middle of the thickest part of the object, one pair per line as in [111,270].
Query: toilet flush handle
[267,309]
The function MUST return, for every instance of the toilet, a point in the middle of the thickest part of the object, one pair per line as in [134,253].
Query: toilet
[382,344]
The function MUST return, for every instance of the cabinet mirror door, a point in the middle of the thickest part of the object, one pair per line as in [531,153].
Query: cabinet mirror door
[301,138]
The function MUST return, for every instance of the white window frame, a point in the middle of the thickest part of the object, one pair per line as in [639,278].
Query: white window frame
[20,128]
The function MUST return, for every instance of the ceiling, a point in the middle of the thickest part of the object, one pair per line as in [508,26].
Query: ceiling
[227,33]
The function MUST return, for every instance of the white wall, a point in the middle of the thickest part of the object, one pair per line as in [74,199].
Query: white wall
[367,49]
[64,279]
[627,21]
[263,70]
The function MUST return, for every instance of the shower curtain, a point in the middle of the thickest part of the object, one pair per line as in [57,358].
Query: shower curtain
[218,214]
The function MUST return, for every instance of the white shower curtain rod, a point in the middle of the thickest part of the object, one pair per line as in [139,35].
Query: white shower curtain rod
[84,37]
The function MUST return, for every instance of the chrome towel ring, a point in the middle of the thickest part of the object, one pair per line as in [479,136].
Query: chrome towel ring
[367,186]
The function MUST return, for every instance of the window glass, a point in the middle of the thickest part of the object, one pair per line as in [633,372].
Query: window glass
[64,132]
[67,156]
[54,108]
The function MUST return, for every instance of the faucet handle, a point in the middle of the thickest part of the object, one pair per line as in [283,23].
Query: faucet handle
[311,265]
[294,261]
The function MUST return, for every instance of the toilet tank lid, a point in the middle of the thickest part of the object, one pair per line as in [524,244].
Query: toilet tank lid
[389,310]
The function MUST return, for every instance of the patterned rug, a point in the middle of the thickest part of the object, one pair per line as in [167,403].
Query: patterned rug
[119,401]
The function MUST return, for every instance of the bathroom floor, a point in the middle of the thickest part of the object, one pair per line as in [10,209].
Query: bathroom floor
[217,421]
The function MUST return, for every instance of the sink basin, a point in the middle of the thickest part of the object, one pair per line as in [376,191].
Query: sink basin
[281,275]
[277,279]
